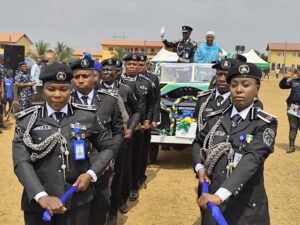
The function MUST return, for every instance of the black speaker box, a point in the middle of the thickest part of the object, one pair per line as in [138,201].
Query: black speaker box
[13,55]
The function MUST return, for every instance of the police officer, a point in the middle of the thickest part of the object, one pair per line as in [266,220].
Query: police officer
[51,152]
[121,175]
[231,151]
[214,99]
[109,114]
[292,81]
[143,89]
[25,86]
[142,69]
[185,47]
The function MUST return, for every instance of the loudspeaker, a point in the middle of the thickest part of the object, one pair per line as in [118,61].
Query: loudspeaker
[13,55]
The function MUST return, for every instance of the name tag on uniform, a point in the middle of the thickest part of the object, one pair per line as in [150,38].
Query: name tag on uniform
[220,133]
[79,150]
[237,159]
[44,127]
[208,110]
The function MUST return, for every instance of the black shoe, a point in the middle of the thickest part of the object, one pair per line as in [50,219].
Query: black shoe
[123,208]
[134,195]
[112,220]
[292,147]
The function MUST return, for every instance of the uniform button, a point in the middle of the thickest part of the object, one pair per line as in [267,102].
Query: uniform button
[59,156]
[40,139]
[254,205]
[236,192]
[239,189]
[223,171]
[242,185]
[59,171]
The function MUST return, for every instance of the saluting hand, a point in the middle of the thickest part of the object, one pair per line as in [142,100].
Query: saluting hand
[52,204]
[83,181]
[205,198]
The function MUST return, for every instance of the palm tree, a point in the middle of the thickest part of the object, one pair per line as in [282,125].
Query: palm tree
[41,48]
[119,53]
[62,52]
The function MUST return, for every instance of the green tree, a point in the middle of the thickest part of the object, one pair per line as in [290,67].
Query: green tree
[62,52]
[119,53]
[41,48]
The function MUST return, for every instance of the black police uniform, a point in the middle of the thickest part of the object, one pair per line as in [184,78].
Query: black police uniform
[233,155]
[134,111]
[155,118]
[109,115]
[143,90]
[185,48]
[294,98]
[44,156]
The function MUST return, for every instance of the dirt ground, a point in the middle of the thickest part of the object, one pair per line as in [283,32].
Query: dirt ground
[170,195]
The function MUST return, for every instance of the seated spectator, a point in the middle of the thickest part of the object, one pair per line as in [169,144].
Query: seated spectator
[208,51]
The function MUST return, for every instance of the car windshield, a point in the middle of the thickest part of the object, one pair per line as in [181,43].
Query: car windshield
[186,72]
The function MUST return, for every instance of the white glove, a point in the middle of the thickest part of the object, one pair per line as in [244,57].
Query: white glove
[162,33]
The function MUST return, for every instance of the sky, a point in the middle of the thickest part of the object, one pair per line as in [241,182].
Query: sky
[84,24]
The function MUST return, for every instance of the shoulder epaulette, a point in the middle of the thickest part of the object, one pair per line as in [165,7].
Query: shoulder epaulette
[204,93]
[27,111]
[146,78]
[194,43]
[265,116]
[84,107]
[112,93]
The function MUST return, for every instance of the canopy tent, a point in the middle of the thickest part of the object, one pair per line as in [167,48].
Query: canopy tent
[252,57]
[165,56]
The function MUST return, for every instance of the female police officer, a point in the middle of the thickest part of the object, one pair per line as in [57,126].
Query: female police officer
[51,152]
[234,146]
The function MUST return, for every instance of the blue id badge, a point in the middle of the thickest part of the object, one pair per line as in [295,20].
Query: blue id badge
[79,150]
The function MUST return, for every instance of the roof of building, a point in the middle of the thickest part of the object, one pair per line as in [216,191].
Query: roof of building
[92,52]
[130,43]
[12,37]
[284,46]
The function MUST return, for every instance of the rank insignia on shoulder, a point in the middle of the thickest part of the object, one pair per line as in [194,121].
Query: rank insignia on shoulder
[265,116]
[85,107]
[111,93]
[204,93]
[146,78]
[27,111]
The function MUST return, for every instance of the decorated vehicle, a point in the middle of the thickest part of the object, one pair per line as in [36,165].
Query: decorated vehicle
[180,84]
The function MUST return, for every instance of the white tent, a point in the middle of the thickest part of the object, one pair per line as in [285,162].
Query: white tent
[165,56]
[252,57]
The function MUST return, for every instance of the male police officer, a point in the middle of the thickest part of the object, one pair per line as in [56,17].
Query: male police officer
[214,99]
[109,114]
[121,175]
[185,47]
[143,89]
[51,152]
[25,86]
[142,69]
[232,149]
